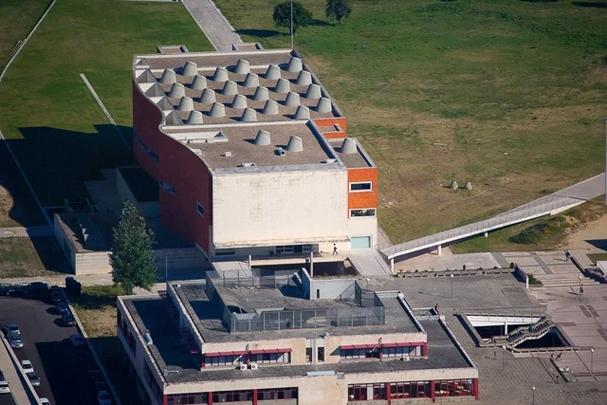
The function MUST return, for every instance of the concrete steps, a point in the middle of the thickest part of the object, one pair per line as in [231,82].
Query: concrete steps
[564,280]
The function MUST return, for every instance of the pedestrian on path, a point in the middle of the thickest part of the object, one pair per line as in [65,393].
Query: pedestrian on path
[334,249]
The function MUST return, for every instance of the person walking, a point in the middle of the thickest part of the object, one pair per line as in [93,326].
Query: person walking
[334,249]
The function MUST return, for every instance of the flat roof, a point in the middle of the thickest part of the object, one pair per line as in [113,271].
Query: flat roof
[236,144]
[246,81]
[357,159]
[152,315]
[207,315]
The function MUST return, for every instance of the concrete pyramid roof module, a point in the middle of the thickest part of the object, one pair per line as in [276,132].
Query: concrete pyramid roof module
[270,108]
[230,88]
[217,110]
[177,90]
[324,105]
[190,69]
[208,96]
[242,67]
[221,74]
[186,104]
[314,91]
[348,146]
[199,82]
[295,64]
[168,77]
[249,115]
[146,77]
[273,72]
[239,101]
[164,104]
[282,86]
[263,138]
[302,113]
[173,118]
[295,144]
[293,100]
[261,93]
[304,78]
[194,118]
[155,91]
[252,80]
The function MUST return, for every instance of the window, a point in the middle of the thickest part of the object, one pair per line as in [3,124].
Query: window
[401,351]
[362,186]
[410,389]
[285,250]
[183,399]
[166,187]
[368,212]
[321,354]
[199,209]
[309,354]
[366,353]
[212,361]
[277,393]
[232,396]
[453,388]
[358,392]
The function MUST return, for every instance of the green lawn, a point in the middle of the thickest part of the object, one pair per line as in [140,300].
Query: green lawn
[506,94]
[17,17]
[55,127]
[24,257]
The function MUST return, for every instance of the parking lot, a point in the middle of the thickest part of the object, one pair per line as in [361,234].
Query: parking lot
[64,370]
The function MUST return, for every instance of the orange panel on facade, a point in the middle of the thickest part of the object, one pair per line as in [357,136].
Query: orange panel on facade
[362,199]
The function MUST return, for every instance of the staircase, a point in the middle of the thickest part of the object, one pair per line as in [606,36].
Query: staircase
[564,280]
[523,333]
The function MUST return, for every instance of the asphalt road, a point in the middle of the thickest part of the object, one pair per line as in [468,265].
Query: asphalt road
[6,399]
[63,369]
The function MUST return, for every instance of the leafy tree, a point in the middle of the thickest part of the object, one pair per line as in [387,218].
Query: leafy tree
[282,15]
[132,259]
[338,9]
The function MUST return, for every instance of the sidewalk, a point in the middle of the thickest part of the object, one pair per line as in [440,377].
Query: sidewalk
[10,373]
[214,25]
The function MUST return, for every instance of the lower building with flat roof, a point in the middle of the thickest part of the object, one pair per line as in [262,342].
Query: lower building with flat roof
[270,340]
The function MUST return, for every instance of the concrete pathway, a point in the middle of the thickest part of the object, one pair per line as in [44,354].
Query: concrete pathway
[215,26]
[29,232]
[550,204]
[9,370]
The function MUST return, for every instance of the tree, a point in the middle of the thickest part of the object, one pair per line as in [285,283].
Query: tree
[132,259]
[282,15]
[338,9]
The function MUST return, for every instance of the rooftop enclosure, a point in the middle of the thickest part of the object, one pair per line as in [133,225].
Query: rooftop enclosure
[232,87]
[267,308]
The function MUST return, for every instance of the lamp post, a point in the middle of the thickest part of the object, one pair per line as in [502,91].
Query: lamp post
[592,361]
[533,395]
[452,286]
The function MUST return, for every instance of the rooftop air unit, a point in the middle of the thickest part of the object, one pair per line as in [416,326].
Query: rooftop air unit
[253,366]
[295,144]
[242,67]
[199,82]
[273,72]
[263,138]
[243,367]
[295,64]
[189,69]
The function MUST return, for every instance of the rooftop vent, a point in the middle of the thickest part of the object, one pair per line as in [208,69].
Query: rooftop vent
[261,93]
[221,74]
[304,78]
[252,80]
[273,72]
[348,146]
[280,151]
[293,100]
[242,67]
[164,104]
[218,110]
[230,88]
[155,91]
[248,164]
[240,101]
[270,108]
[173,119]
[185,104]
[324,105]
[283,86]
[168,77]
[295,64]
[195,118]
[263,138]
[249,115]
[314,91]
[227,154]
[189,69]
[177,90]
[146,77]
[295,144]
[199,82]
[302,113]
[208,96]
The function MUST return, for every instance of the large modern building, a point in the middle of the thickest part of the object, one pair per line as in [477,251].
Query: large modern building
[252,155]
[269,340]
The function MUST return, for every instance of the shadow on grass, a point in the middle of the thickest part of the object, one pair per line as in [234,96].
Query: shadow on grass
[259,33]
[58,161]
[98,297]
[591,4]
[118,367]
[322,23]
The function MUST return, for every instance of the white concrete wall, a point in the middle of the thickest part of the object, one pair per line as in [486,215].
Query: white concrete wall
[265,207]
[363,226]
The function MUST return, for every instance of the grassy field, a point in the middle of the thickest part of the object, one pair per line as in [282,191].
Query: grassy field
[506,94]
[96,308]
[53,124]
[17,17]
[24,257]
[541,234]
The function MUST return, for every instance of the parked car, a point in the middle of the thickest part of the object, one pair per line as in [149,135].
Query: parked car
[67,319]
[34,379]
[56,295]
[11,327]
[26,365]
[62,308]
[77,340]
[14,340]
[4,388]
[103,398]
